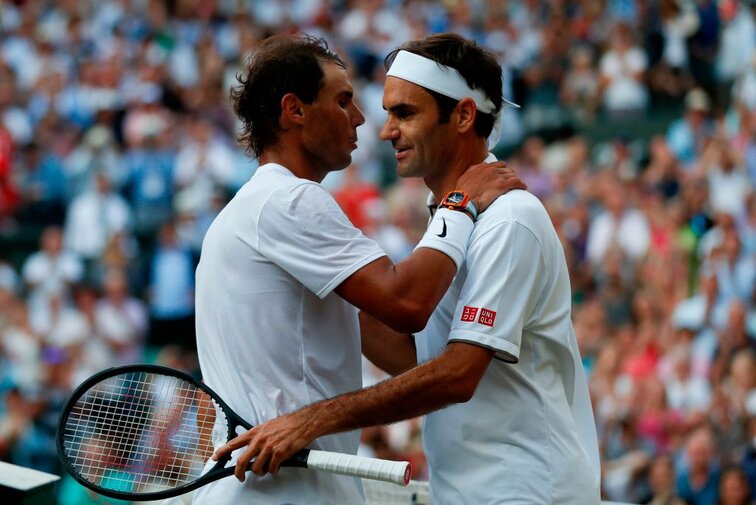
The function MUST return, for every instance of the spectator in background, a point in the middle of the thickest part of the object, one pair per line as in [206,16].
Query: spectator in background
[736,48]
[21,345]
[94,218]
[736,272]
[729,186]
[661,480]
[120,322]
[529,166]
[687,392]
[698,478]
[670,76]
[580,89]
[9,197]
[97,152]
[171,292]
[149,163]
[687,136]
[619,225]
[622,70]
[204,165]
[50,272]
[734,488]
[43,187]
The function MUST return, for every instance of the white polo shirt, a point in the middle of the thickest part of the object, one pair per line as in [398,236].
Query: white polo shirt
[528,435]
[271,335]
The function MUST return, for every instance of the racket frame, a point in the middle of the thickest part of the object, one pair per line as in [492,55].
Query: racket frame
[218,471]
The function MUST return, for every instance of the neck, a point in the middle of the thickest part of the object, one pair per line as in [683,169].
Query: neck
[295,160]
[461,159]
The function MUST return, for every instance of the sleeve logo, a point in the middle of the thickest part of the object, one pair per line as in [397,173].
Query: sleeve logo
[468,314]
[487,317]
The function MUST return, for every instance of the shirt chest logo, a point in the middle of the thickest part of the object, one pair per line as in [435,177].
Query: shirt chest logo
[470,315]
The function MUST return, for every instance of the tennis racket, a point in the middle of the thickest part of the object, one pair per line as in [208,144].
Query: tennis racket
[145,432]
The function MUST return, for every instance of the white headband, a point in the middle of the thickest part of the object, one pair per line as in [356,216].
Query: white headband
[447,81]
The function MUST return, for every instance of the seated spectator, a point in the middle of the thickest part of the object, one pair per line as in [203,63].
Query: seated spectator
[670,76]
[619,224]
[622,70]
[734,488]
[580,89]
[171,292]
[42,186]
[661,479]
[21,345]
[50,272]
[94,218]
[729,185]
[698,477]
[688,135]
[120,321]
[204,165]
[97,152]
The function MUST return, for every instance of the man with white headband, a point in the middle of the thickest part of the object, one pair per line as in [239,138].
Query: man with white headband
[500,379]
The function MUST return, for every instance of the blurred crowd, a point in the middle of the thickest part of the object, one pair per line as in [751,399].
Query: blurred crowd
[117,149]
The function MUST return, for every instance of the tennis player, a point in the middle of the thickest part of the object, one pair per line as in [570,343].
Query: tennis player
[509,419]
[282,268]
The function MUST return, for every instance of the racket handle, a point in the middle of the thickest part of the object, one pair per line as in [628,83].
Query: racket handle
[398,472]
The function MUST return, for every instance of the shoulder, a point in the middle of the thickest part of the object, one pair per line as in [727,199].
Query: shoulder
[516,206]
[520,210]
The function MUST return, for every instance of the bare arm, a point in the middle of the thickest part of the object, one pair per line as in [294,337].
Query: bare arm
[449,378]
[389,350]
[404,295]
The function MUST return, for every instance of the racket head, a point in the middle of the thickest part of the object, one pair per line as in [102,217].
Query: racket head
[143,432]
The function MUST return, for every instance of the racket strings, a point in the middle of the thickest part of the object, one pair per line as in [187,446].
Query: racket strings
[140,432]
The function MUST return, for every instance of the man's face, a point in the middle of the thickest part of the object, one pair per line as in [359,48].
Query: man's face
[331,121]
[423,146]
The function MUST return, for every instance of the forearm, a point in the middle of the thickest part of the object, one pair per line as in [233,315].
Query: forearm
[404,295]
[450,378]
[389,350]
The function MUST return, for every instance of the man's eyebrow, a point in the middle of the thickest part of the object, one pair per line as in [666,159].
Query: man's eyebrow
[400,107]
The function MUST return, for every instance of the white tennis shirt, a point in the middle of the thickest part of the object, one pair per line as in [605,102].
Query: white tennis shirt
[527,436]
[271,335]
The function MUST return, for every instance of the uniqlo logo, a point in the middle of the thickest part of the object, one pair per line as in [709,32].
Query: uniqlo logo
[487,317]
[468,314]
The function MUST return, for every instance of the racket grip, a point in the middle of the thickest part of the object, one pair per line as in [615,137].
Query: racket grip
[397,472]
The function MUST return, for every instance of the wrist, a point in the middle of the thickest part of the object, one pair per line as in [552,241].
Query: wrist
[449,232]
[459,200]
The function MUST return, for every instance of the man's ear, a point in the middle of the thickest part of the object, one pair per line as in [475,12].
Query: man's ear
[466,113]
[291,110]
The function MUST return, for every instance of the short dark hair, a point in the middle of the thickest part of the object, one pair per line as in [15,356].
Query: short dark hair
[279,65]
[478,65]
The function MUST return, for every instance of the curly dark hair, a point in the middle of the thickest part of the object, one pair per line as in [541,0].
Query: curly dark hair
[279,65]
[479,67]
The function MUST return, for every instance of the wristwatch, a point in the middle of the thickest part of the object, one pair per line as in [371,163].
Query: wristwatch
[459,200]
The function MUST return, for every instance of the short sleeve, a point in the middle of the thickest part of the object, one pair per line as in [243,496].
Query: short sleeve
[505,276]
[304,231]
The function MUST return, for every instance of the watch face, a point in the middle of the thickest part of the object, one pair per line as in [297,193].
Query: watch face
[455,197]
